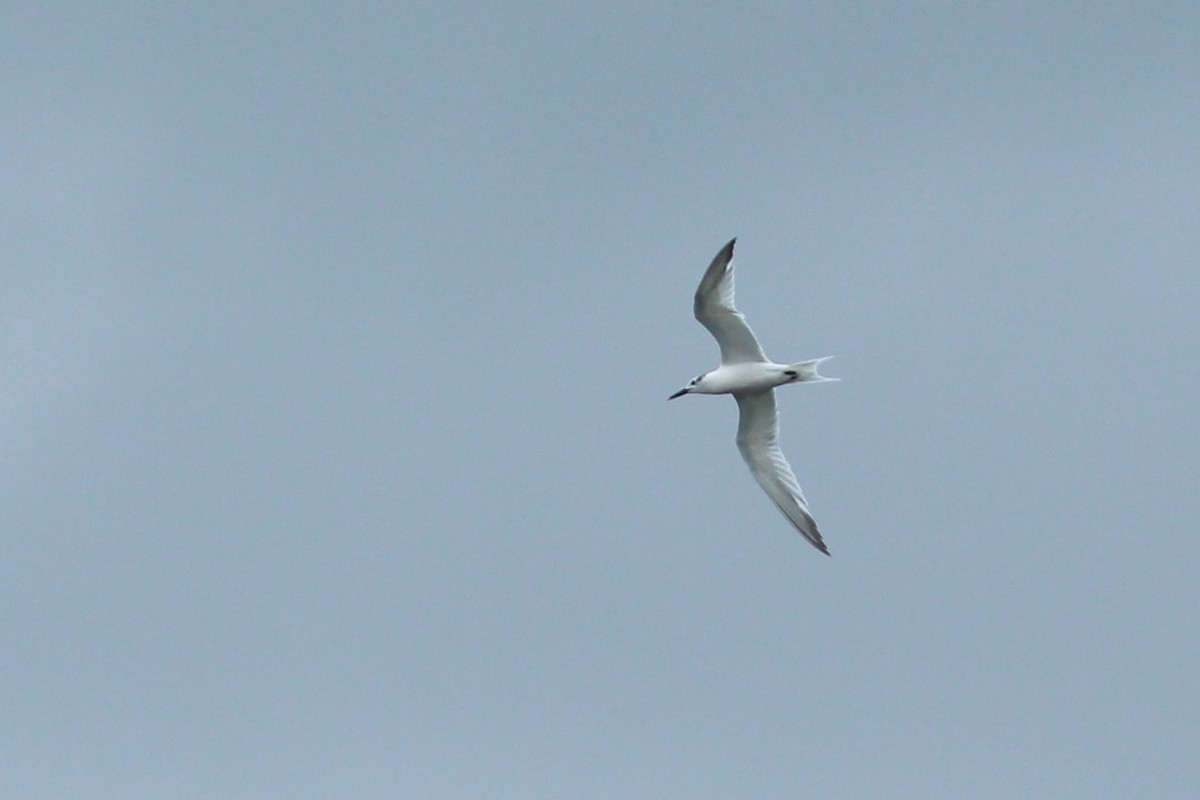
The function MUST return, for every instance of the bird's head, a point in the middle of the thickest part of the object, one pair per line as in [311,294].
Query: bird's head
[694,385]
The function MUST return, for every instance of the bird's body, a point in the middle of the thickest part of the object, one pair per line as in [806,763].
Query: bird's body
[747,374]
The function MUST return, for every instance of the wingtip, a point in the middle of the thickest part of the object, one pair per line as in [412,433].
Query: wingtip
[814,538]
[726,253]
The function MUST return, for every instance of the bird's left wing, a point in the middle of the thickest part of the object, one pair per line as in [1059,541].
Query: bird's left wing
[714,310]
[758,441]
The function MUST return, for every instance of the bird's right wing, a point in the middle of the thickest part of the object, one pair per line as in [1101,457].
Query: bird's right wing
[714,310]
[758,441]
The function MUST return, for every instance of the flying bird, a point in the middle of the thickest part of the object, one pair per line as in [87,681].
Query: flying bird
[751,377]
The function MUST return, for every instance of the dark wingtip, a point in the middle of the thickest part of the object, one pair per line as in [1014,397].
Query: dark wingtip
[727,250]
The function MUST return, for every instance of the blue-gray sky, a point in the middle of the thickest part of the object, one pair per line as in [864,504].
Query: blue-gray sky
[334,349]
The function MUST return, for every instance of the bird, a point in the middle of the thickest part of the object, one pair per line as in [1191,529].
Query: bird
[746,373]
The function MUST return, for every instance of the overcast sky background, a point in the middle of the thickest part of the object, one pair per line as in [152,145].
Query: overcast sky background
[334,349]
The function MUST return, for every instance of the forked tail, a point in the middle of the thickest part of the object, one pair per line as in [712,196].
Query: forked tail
[806,371]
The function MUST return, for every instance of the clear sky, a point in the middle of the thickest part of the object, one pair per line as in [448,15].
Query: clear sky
[334,347]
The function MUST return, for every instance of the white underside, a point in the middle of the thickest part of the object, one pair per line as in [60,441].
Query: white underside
[750,376]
